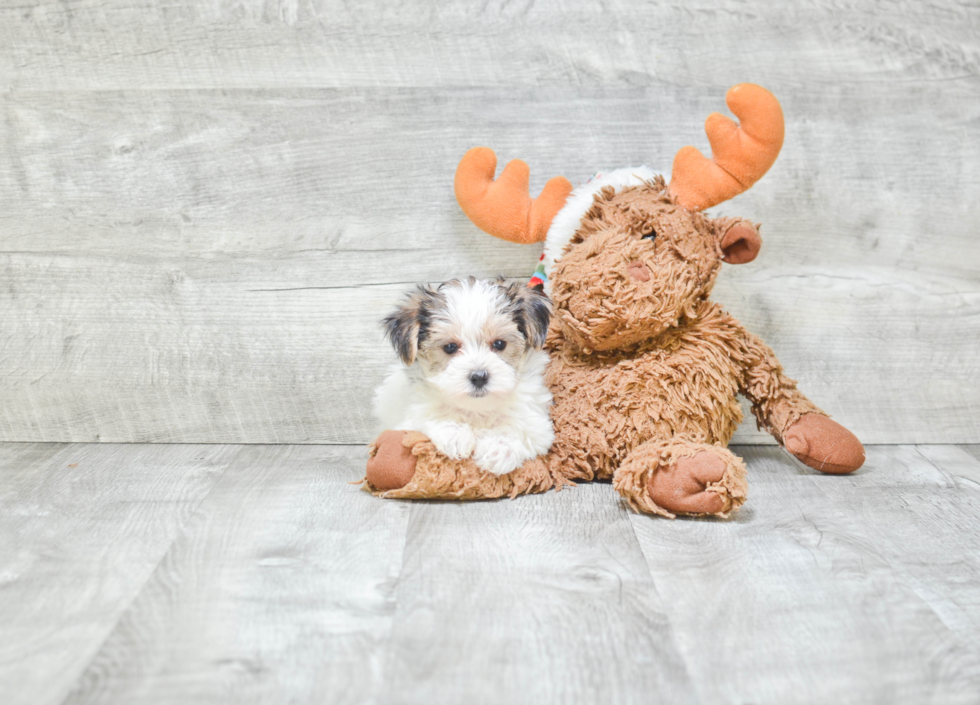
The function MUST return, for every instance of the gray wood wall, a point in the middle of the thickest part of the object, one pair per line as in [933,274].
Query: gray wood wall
[205,208]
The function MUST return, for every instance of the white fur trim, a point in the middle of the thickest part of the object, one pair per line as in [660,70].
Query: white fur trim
[569,218]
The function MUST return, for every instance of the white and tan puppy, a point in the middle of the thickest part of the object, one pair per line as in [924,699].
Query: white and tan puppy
[473,372]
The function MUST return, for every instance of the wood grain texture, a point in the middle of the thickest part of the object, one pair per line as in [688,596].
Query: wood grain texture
[329,43]
[81,530]
[118,583]
[210,359]
[281,590]
[204,209]
[546,599]
[973,450]
[831,589]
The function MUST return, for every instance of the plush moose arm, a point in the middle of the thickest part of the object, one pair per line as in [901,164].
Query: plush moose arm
[776,402]
[793,420]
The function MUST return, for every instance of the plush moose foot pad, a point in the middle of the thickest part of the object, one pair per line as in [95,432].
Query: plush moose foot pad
[676,476]
[391,465]
[690,486]
[824,445]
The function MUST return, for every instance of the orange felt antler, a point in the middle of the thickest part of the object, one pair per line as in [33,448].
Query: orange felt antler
[741,153]
[504,207]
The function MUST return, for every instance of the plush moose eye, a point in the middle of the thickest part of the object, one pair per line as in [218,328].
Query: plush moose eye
[450,348]
[499,345]
[651,236]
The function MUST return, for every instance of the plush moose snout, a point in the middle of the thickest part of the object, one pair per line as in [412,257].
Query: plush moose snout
[638,271]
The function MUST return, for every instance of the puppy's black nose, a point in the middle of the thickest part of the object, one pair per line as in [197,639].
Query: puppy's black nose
[479,378]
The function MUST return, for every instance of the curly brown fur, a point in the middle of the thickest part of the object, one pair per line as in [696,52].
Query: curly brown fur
[600,304]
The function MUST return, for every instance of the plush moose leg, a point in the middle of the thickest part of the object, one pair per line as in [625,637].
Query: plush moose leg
[678,476]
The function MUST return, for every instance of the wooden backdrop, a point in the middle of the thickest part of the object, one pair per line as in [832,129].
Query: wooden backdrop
[205,208]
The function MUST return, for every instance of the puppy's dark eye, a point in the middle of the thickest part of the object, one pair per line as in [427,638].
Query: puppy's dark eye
[651,236]
[499,345]
[450,348]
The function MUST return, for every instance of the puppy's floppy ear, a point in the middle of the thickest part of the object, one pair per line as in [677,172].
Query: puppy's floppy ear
[407,326]
[531,311]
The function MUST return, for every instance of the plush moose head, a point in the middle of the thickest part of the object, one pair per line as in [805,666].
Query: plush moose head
[629,256]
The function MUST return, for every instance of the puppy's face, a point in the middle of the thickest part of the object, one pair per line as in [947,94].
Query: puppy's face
[469,337]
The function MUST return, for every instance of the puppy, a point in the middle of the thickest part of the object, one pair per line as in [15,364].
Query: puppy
[473,372]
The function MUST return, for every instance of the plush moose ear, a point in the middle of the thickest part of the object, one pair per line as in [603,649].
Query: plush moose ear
[406,326]
[740,243]
[531,311]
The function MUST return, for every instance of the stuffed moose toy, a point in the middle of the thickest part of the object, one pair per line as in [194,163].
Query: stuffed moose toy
[644,367]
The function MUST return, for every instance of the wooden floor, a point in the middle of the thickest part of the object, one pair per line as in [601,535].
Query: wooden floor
[239,574]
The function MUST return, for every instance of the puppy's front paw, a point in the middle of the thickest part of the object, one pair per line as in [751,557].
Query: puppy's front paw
[451,439]
[499,454]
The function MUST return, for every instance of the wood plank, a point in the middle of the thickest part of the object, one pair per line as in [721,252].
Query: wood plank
[543,599]
[86,43]
[973,450]
[81,530]
[145,357]
[832,589]
[321,173]
[281,590]
[957,463]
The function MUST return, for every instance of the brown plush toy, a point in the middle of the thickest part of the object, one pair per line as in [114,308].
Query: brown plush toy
[644,367]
